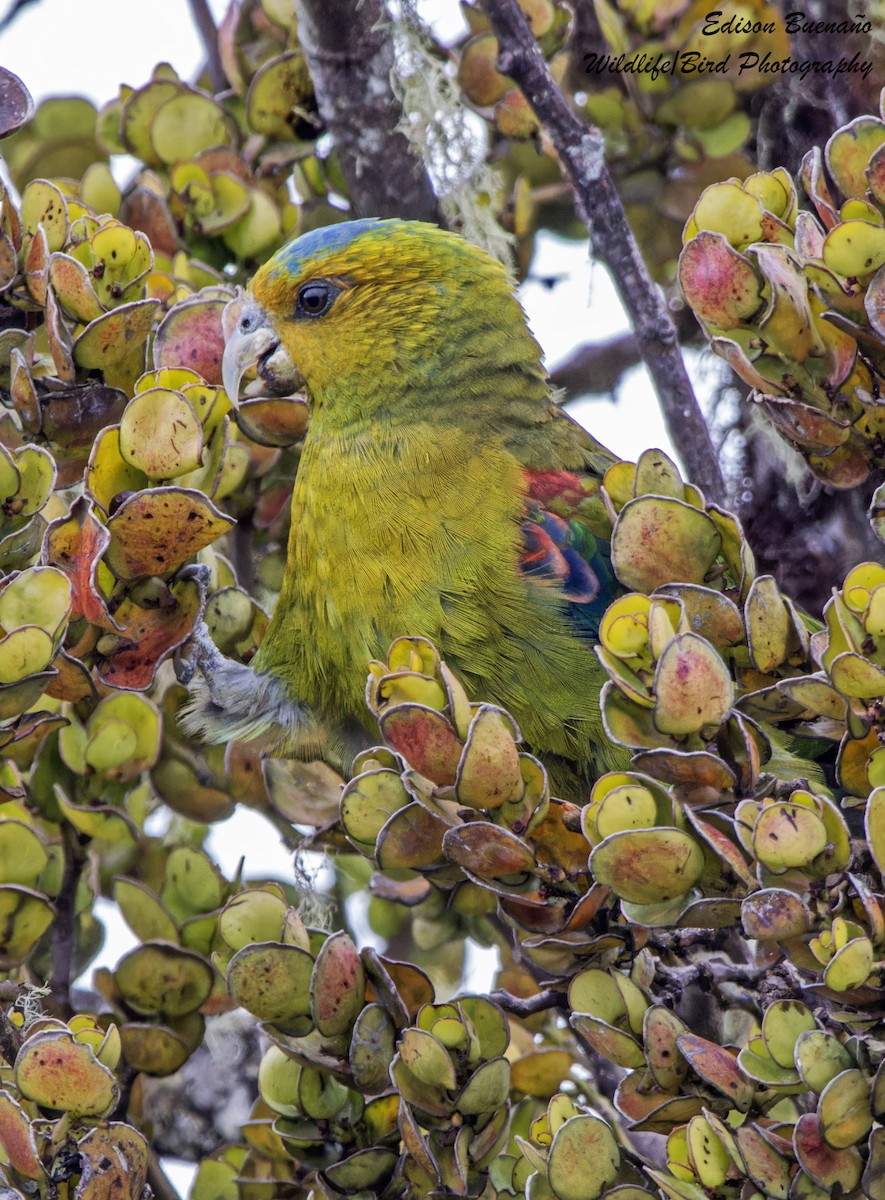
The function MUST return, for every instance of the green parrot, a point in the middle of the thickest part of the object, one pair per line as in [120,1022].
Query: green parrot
[441,493]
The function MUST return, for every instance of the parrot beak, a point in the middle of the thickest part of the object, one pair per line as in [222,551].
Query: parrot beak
[249,339]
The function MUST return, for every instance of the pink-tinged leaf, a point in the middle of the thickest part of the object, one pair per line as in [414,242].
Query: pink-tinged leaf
[190,335]
[156,531]
[425,740]
[149,635]
[74,544]
[719,283]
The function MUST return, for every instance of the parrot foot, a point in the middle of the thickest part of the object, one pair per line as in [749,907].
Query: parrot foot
[229,700]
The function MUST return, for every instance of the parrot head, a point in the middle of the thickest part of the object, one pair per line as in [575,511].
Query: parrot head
[344,307]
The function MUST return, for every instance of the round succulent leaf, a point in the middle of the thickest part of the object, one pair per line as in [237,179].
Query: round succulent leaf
[258,230]
[154,1049]
[74,288]
[372,1047]
[874,827]
[707,1155]
[368,802]
[489,1024]
[828,1167]
[651,1108]
[615,1045]
[659,539]
[874,300]
[720,285]
[55,1071]
[160,434]
[427,1059]
[763,1069]
[583,1159]
[108,475]
[320,1097]
[844,1109]
[594,991]
[854,248]
[623,629]
[783,1022]
[116,336]
[708,613]
[774,914]
[693,687]
[850,966]
[16,107]
[44,207]
[478,75]
[143,912]
[185,124]
[729,209]
[486,1090]
[488,852]
[848,152]
[874,1173]
[769,1170]
[338,986]
[769,629]
[718,1067]
[657,475]
[191,335]
[630,806]
[159,978]
[365,1171]
[489,773]
[630,724]
[102,822]
[193,883]
[660,1029]
[155,531]
[271,981]
[140,718]
[648,866]
[274,421]
[17,698]
[38,596]
[16,1132]
[412,838]
[695,767]
[540,1073]
[180,786]
[787,835]
[38,477]
[113,1160]
[23,856]
[279,95]
[425,739]
[854,675]
[255,915]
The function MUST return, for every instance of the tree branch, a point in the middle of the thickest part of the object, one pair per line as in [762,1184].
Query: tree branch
[581,151]
[202,17]
[596,368]
[350,58]
[527,1006]
[63,927]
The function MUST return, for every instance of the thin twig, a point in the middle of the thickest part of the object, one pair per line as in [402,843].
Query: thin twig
[581,150]
[202,16]
[529,1005]
[159,1181]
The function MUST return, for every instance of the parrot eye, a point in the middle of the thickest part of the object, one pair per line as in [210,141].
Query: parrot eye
[315,299]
